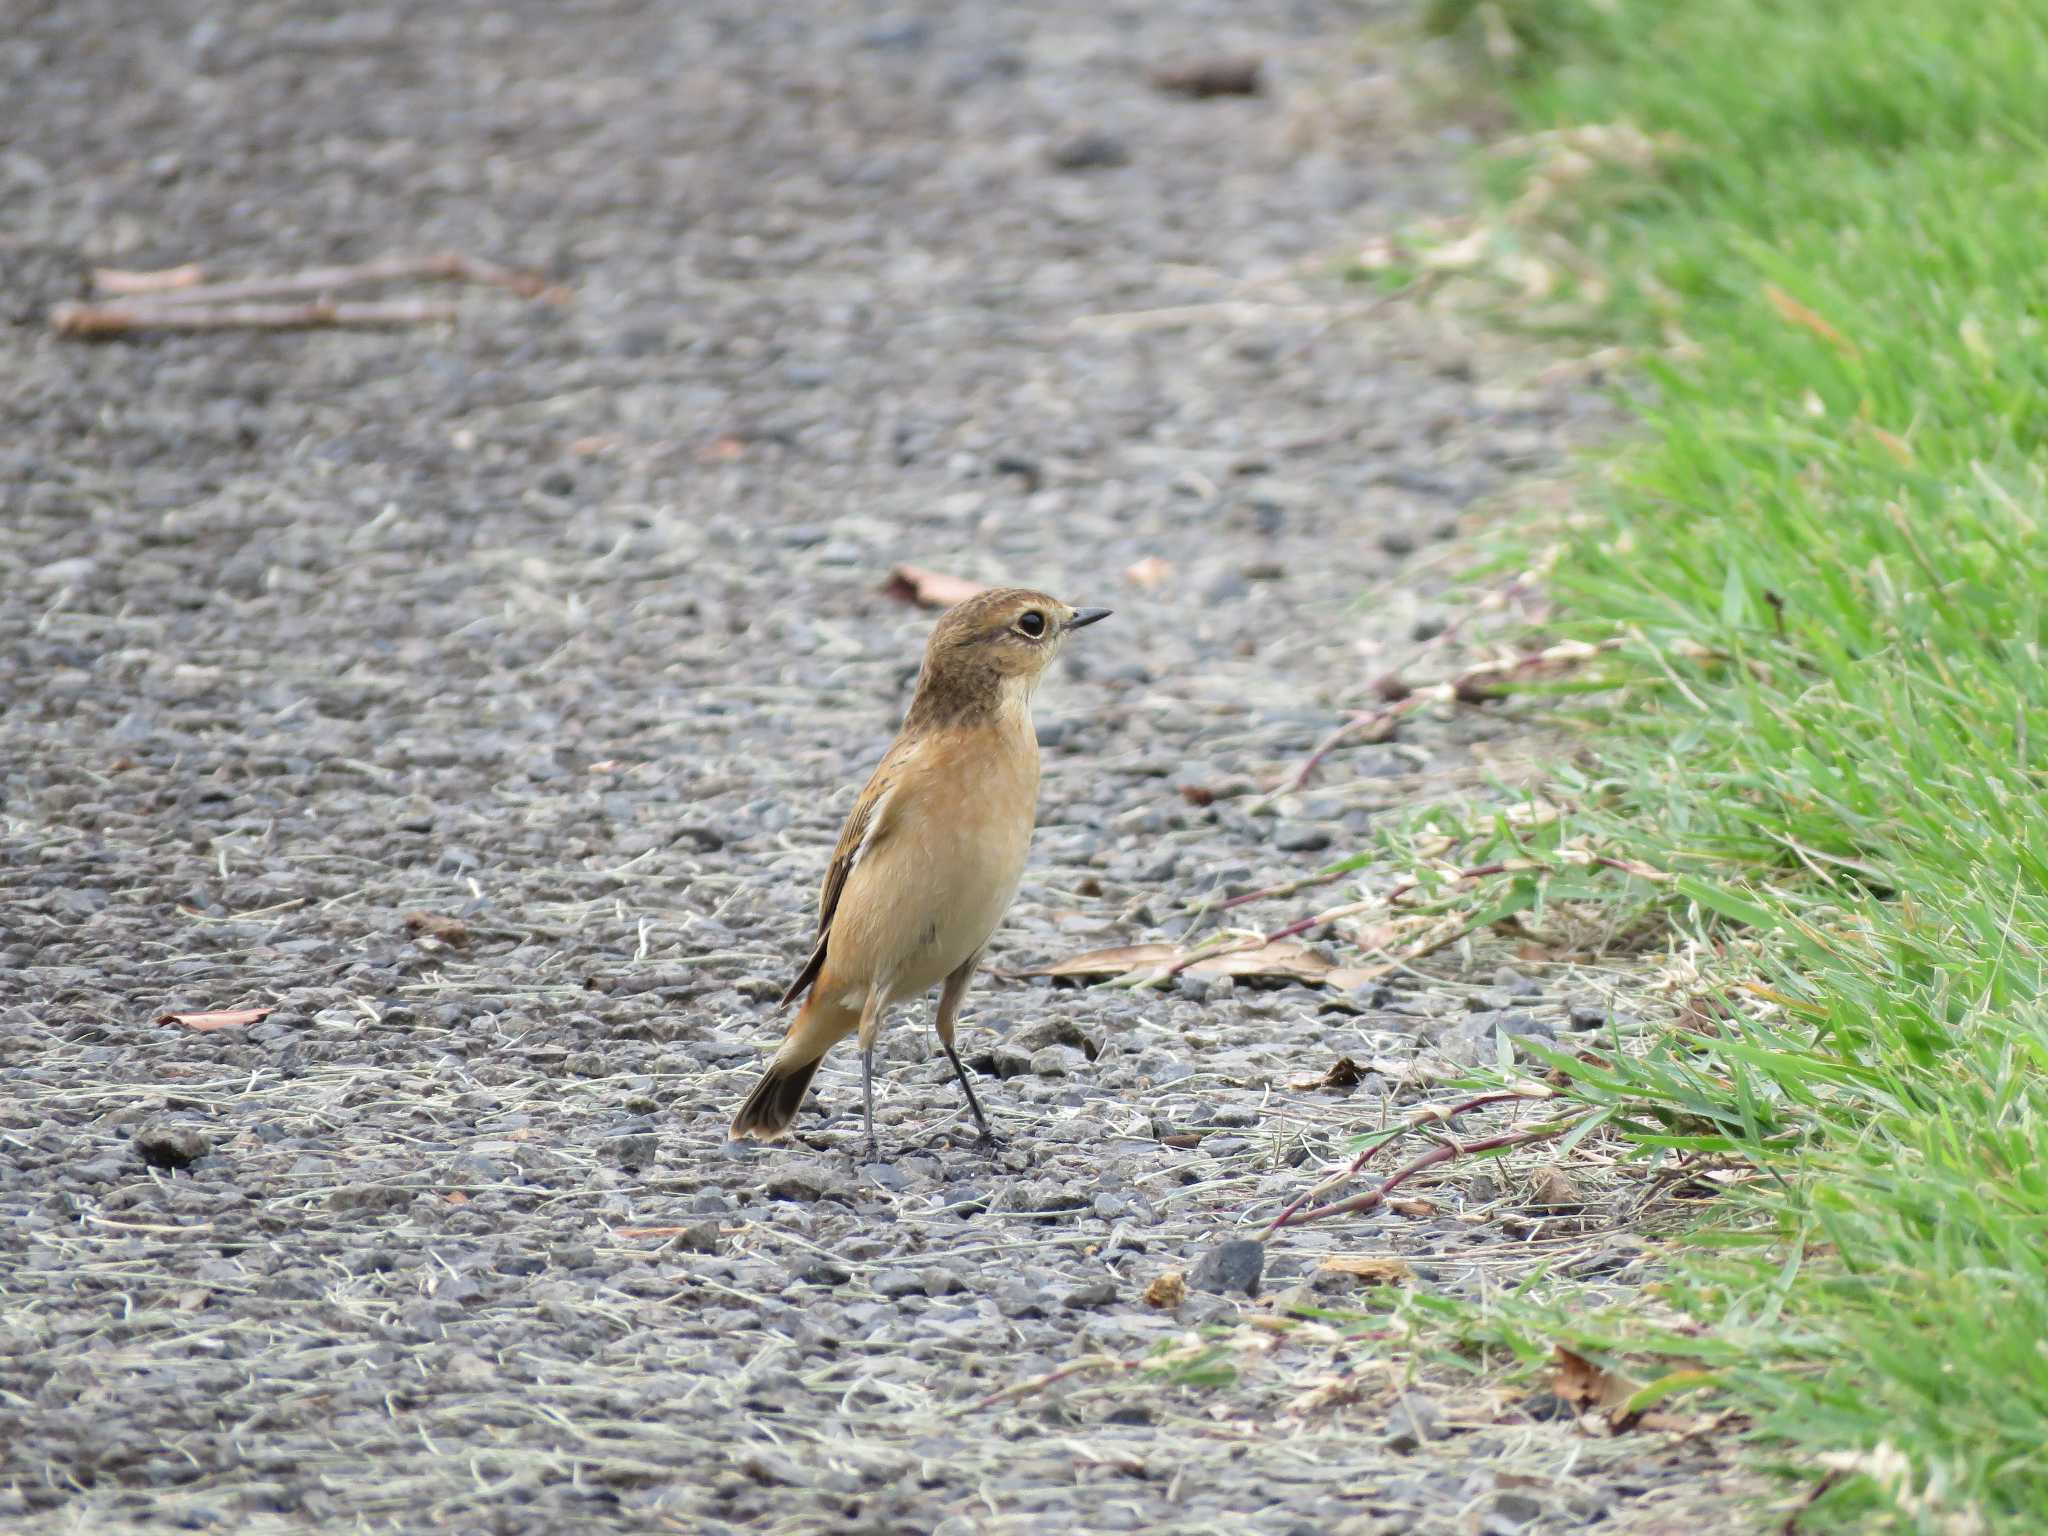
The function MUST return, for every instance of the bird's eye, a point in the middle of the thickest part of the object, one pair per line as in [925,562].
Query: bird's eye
[1032,624]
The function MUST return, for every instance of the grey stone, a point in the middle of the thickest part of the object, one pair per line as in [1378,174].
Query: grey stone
[1099,1292]
[166,1144]
[1413,1420]
[1230,1267]
[1295,838]
[1586,1012]
[1087,150]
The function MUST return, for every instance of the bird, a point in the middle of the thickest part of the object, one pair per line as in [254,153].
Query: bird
[930,855]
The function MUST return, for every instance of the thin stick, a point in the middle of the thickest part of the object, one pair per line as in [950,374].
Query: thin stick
[133,285]
[1443,1152]
[1428,1114]
[445,266]
[322,314]
[1289,888]
[1071,1368]
[1469,687]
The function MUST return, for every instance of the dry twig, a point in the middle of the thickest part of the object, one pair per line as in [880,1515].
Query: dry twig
[175,300]
[1443,1152]
[1474,685]
[322,314]
[1071,1368]
[444,266]
[1429,1114]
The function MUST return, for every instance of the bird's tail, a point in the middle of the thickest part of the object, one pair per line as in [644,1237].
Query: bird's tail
[775,1100]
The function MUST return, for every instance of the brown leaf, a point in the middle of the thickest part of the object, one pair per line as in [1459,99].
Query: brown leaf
[1167,1291]
[1280,961]
[1795,313]
[722,450]
[1349,978]
[1412,1207]
[1148,573]
[452,931]
[1370,1268]
[125,284]
[1343,1073]
[227,1018]
[1700,1015]
[455,1197]
[1223,75]
[929,589]
[1197,795]
[1551,1190]
[1588,1387]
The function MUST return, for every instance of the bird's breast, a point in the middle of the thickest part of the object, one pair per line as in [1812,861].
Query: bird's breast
[930,893]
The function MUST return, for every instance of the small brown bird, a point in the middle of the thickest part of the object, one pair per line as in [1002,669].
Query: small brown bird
[931,855]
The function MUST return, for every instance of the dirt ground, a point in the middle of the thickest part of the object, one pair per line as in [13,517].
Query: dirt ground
[564,623]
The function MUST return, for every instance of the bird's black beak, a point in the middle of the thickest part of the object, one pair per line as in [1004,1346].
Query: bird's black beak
[1085,616]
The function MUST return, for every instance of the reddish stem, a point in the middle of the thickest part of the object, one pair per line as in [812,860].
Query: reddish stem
[1443,1152]
[1438,1117]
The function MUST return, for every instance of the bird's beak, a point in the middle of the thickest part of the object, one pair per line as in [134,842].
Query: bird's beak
[1084,616]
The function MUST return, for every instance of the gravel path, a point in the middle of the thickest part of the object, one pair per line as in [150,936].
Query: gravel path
[565,625]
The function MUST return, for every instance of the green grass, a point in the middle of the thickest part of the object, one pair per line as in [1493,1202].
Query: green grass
[1826,550]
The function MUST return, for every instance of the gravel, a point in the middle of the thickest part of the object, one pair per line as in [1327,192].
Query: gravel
[484,701]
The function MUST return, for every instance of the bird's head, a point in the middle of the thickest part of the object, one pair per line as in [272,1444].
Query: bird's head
[990,651]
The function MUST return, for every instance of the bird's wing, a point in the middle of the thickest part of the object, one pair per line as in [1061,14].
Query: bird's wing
[866,826]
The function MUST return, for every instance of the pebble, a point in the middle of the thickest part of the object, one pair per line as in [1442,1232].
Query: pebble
[1413,1420]
[163,1144]
[1230,1267]
[1087,150]
[1294,838]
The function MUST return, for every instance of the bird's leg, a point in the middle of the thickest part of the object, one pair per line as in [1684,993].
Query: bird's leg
[988,1136]
[870,1027]
[954,993]
[867,1100]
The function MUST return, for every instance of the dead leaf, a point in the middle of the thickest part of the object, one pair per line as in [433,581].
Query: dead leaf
[227,1018]
[722,450]
[1284,960]
[1592,1388]
[1343,1073]
[113,280]
[929,589]
[1370,1268]
[1701,1015]
[455,1197]
[1167,1291]
[1551,1190]
[1148,573]
[1327,1392]
[1412,1207]
[1197,795]
[1223,75]
[1897,447]
[1795,313]
[452,931]
[592,447]
[1349,978]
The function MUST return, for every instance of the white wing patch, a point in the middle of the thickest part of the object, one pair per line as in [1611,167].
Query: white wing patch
[872,830]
